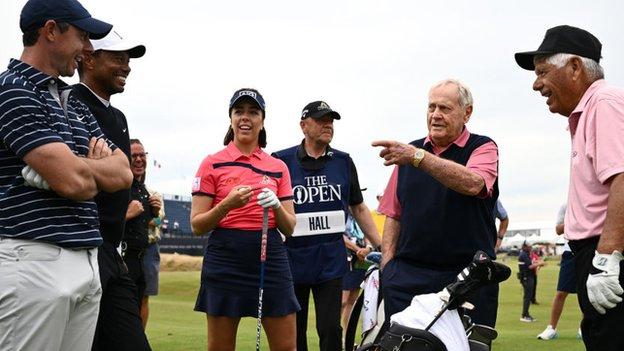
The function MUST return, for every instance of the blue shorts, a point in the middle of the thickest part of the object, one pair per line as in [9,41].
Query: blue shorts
[567,273]
[151,269]
[230,276]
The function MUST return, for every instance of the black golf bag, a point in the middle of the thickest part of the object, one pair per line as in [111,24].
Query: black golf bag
[481,271]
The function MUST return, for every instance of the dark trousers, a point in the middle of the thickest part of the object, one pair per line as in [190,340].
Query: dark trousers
[119,323]
[604,332]
[534,292]
[528,284]
[327,304]
[401,281]
[136,272]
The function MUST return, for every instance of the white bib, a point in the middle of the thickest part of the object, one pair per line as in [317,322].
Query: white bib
[324,222]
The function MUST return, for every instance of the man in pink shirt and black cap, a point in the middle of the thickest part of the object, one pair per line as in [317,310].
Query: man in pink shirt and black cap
[570,77]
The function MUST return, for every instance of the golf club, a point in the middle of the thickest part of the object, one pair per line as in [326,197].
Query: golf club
[263,245]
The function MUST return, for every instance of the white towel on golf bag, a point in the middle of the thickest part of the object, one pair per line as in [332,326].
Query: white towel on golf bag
[448,328]
[369,307]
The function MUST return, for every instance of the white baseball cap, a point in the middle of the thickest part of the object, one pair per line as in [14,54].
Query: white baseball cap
[115,42]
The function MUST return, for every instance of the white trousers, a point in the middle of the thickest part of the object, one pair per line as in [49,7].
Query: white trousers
[49,296]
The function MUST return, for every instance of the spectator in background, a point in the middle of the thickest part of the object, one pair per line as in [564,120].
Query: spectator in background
[535,257]
[165,226]
[565,285]
[501,214]
[378,217]
[142,209]
[358,247]
[103,73]
[151,258]
[526,274]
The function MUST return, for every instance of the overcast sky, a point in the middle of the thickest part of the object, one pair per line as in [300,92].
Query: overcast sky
[372,61]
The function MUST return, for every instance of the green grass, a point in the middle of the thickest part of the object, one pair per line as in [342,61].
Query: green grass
[173,324]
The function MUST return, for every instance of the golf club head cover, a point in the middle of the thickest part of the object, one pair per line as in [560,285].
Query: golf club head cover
[480,272]
[374,257]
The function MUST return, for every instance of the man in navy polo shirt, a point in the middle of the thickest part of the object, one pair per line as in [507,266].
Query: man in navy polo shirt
[325,187]
[439,202]
[53,160]
[103,73]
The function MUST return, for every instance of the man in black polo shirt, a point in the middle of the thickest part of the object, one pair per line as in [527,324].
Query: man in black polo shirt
[439,204]
[325,188]
[526,273]
[53,160]
[103,73]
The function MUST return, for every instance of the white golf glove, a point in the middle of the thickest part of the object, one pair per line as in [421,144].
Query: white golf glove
[32,178]
[267,198]
[603,288]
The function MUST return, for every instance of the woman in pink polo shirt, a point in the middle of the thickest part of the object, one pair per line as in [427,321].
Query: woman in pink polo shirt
[230,190]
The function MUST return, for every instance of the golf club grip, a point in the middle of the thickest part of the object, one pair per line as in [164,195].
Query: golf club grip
[265,234]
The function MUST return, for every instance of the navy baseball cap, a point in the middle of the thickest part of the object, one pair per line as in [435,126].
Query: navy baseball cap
[564,40]
[36,12]
[318,109]
[249,93]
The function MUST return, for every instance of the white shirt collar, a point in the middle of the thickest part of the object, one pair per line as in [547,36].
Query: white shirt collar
[103,101]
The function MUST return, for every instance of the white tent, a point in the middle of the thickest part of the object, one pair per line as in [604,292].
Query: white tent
[535,239]
[515,240]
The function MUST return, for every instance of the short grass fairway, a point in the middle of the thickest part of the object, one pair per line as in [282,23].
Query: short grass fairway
[173,324]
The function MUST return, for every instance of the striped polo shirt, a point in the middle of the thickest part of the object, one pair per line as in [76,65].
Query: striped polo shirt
[31,116]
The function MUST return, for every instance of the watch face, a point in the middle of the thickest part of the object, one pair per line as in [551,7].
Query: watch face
[420,153]
[418,156]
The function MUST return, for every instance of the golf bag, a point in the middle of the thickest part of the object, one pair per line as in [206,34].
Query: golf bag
[482,271]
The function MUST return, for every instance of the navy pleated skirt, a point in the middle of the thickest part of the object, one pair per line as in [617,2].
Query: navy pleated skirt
[353,279]
[230,276]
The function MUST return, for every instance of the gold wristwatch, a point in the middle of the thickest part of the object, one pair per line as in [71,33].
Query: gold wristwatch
[418,157]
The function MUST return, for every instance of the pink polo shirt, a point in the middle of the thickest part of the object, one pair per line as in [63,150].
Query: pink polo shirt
[483,161]
[219,173]
[597,129]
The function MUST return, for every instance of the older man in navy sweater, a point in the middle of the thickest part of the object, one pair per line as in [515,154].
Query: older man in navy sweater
[439,202]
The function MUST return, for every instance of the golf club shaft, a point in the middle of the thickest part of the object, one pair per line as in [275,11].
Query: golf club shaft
[263,245]
[445,307]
